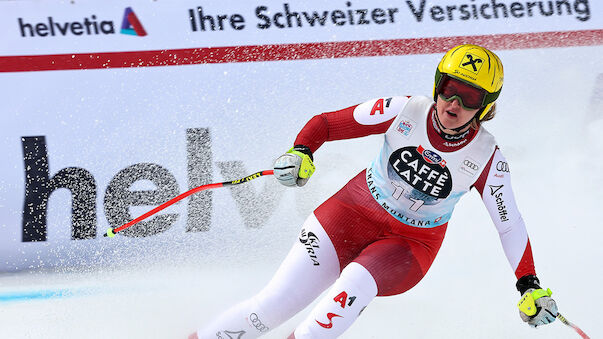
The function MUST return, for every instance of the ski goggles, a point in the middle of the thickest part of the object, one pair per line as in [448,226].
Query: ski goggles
[468,96]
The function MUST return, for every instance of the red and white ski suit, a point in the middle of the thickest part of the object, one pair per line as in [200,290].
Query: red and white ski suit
[380,233]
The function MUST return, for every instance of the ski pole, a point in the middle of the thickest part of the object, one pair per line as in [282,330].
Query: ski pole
[112,231]
[576,328]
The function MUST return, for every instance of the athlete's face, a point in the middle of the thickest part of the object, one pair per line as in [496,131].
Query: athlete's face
[453,115]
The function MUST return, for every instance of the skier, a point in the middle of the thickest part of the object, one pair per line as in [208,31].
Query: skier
[380,233]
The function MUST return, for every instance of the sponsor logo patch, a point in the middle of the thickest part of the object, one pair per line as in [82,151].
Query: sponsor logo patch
[502,166]
[472,62]
[405,127]
[495,188]
[230,334]
[469,167]
[424,170]
[431,156]
[310,242]
[500,202]
[257,323]
[330,316]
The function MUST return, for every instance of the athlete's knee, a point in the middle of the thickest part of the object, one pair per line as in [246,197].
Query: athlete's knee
[342,305]
[270,309]
[357,275]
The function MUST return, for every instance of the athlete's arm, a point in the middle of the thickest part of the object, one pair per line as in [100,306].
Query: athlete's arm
[372,117]
[494,185]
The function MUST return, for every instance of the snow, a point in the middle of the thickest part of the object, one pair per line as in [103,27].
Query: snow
[548,127]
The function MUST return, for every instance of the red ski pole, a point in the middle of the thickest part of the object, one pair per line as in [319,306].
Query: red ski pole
[112,231]
[576,328]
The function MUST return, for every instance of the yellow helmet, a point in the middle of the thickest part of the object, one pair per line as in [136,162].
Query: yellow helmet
[474,65]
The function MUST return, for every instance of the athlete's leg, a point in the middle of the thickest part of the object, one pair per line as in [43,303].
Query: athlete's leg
[396,264]
[340,307]
[388,266]
[309,268]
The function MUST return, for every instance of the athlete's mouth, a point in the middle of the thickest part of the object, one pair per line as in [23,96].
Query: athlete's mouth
[453,114]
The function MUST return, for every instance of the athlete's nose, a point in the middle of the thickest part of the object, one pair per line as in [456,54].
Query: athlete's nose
[455,103]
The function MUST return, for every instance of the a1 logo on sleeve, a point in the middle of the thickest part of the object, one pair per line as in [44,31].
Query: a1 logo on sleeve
[377,111]
[379,106]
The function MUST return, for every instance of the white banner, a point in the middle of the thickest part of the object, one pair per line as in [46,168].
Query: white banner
[51,27]
[84,150]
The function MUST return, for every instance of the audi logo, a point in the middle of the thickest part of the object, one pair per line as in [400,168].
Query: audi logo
[502,166]
[257,323]
[470,165]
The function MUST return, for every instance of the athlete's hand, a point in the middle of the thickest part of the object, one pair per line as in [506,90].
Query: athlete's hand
[294,167]
[536,307]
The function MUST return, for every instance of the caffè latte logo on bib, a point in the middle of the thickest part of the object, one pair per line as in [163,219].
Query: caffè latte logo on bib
[424,170]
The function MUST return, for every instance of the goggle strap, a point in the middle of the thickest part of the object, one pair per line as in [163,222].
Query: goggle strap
[491,97]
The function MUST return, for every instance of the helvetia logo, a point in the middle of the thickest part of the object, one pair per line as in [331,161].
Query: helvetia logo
[91,25]
[131,25]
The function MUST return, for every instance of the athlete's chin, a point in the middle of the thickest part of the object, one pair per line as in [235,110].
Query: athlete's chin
[451,124]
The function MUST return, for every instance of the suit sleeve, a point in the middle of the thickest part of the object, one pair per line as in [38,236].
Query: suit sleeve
[372,117]
[494,185]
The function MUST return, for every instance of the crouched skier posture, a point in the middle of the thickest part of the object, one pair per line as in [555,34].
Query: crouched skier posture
[380,233]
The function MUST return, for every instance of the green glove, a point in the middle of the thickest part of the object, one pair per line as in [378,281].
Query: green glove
[536,307]
[295,167]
